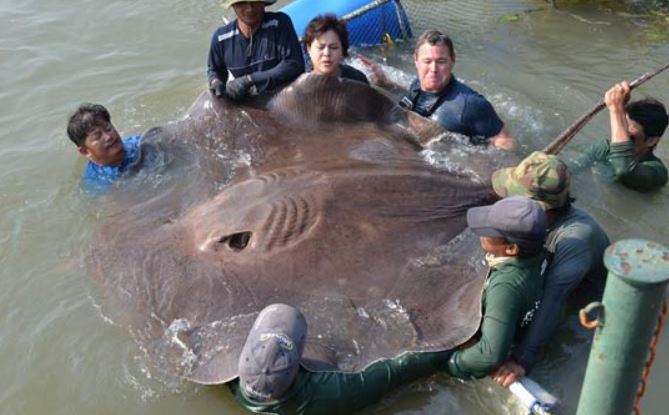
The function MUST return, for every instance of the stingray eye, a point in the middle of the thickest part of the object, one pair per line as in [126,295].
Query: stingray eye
[236,241]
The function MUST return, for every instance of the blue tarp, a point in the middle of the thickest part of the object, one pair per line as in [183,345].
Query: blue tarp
[369,28]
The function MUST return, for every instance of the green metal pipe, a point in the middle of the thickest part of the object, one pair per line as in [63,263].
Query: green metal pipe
[635,289]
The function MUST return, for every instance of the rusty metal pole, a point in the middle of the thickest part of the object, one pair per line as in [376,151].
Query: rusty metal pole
[628,315]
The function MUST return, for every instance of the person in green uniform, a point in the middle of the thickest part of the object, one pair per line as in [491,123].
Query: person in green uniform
[636,129]
[512,233]
[271,380]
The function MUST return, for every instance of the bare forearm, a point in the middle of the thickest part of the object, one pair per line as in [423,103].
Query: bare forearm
[618,125]
[615,99]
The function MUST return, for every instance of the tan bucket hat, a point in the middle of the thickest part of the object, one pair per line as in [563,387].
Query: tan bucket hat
[229,3]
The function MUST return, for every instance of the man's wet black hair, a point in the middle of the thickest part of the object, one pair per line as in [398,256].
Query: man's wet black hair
[650,114]
[84,120]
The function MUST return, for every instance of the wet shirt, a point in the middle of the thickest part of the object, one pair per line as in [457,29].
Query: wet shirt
[646,174]
[272,56]
[576,245]
[97,178]
[320,393]
[510,299]
[458,108]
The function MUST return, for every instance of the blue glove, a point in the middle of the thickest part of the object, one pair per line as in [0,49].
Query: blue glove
[238,88]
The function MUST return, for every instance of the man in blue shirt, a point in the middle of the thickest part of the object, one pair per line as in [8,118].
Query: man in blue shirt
[437,94]
[259,48]
[91,130]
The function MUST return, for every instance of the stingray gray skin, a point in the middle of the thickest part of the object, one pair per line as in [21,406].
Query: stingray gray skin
[336,213]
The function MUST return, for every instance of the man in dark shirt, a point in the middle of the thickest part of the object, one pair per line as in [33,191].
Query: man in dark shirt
[636,129]
[436,93]
[259,48]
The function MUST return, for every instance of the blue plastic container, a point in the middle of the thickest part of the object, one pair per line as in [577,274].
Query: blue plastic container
[370,28]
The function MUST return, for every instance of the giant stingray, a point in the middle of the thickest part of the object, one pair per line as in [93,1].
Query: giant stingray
[334,210]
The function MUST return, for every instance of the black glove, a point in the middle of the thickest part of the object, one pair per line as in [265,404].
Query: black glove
[217,88]
[238,88]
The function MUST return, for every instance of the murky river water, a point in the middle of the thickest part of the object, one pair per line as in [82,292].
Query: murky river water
[145,60]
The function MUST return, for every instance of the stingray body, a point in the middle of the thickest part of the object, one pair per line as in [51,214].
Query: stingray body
[334,211]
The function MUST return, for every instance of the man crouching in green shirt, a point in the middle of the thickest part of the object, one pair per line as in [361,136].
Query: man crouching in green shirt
[512,232]
[636,128]
[271,380]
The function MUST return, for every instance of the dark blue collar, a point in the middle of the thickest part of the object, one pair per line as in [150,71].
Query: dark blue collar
[430,101]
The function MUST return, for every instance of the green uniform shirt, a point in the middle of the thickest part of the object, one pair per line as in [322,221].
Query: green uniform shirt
[646,174]
[320,393]
[510,298]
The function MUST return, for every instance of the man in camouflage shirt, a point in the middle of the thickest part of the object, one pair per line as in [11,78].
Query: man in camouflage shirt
[575,242]
[636,129]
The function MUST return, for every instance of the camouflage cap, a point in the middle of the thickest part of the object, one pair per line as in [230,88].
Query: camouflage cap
[540,176]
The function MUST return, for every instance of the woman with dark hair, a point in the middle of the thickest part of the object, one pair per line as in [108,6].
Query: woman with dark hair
[326,41]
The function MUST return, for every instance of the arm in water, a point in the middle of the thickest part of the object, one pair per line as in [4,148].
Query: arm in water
[504,140]
[319,393]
